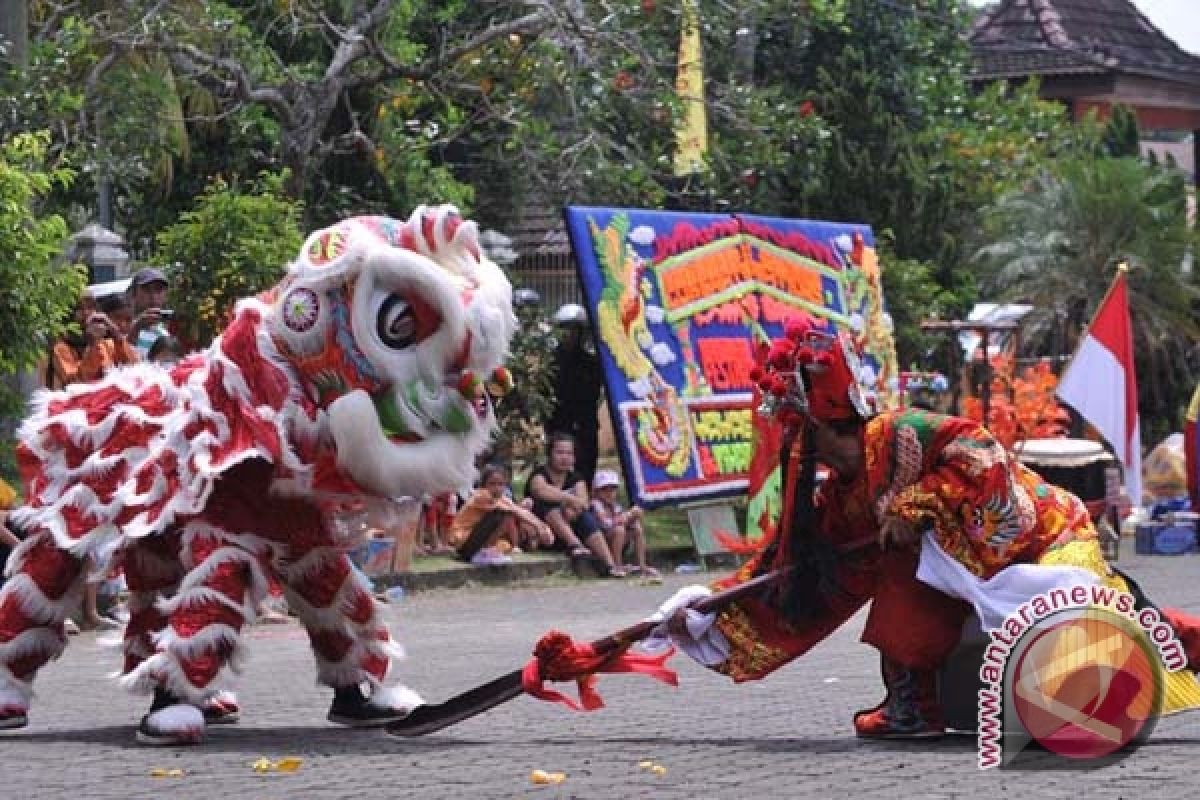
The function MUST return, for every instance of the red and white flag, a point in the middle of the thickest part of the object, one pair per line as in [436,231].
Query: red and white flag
[1101,382]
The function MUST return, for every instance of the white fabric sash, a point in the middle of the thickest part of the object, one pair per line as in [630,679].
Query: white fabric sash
[1000,597]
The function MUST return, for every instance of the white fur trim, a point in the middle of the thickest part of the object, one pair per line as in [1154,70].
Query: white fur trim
[36,605]
[33,641]
[162,670]
[208,638]
[398,698]
[349,671]
[432,466]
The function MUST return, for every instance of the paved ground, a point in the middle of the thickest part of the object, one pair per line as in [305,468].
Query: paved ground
[788,736]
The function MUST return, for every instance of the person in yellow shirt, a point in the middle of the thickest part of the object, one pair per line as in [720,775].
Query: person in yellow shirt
[8,539]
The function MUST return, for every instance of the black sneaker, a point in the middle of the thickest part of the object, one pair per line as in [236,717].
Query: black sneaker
[354,709]
[13,718]
[150,732]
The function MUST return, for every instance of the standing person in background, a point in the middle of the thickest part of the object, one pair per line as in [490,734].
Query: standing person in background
[578,381]
[148,290]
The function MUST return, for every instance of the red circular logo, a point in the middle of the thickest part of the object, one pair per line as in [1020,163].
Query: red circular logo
[1085,686]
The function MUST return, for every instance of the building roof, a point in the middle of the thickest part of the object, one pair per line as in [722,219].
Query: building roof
[1018,38]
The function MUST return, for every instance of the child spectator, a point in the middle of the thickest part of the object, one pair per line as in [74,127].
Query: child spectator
[621,526]
[165,351]
[436,521]
[490,522]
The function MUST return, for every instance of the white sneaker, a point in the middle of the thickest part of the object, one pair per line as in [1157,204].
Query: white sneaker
[489,557]
[70,627]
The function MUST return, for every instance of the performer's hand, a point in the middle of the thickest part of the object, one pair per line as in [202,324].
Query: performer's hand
[898,533]
[677,622]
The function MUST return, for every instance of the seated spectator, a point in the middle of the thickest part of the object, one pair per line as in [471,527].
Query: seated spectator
[490,524]
[560,498]
[621,526]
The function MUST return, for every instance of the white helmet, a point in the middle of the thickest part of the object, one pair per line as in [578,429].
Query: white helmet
[570,314]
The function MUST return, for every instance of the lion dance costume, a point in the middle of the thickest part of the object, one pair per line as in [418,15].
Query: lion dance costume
[983,515]
[364,372]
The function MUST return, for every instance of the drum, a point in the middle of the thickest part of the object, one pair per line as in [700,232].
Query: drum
[1076,465]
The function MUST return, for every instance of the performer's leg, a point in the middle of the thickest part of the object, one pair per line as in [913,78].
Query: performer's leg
[223,585]
[352,645]
[153,572]
[44,583]
[915,629]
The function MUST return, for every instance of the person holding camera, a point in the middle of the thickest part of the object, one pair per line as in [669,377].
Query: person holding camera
[90,353]
[148,289]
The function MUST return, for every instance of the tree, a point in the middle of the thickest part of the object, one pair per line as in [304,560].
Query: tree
[235,243]
[37,294]
[1056,247]
[1121,137]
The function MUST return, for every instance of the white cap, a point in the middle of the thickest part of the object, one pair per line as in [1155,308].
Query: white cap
[571,314]
[605,478]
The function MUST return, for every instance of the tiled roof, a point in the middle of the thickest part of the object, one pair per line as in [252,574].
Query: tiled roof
[1014,38]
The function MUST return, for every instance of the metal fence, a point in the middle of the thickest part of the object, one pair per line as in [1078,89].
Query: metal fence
[556,286]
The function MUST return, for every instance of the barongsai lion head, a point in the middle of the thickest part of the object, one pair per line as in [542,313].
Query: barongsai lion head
[394,329]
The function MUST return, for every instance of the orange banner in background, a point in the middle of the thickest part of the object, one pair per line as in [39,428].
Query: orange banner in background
[711,273]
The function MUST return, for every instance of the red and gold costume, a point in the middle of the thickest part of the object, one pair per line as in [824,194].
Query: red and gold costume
[362,373]
[945,475]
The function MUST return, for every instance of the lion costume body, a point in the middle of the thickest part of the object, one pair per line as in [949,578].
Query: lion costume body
[361,373]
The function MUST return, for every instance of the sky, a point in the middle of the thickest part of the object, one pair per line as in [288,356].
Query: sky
[1178,19]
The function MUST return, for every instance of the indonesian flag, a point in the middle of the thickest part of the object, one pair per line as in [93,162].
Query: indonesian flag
[1101,382]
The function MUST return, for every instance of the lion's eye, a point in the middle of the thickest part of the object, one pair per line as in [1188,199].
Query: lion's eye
[396,323]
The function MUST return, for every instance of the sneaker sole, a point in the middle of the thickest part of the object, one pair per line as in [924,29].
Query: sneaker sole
[355,722]
[222,719]
[12,723]
[168,739]
[896,736]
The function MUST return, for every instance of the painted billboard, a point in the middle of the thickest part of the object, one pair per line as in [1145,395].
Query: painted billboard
[674,299]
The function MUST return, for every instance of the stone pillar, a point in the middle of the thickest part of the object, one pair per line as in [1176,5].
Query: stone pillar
[102,251]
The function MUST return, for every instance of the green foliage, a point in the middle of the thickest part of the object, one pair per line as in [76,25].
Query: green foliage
[1056,245]
[235,243]
[1121,137]
[912,295]
[37,295]
[521,413]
